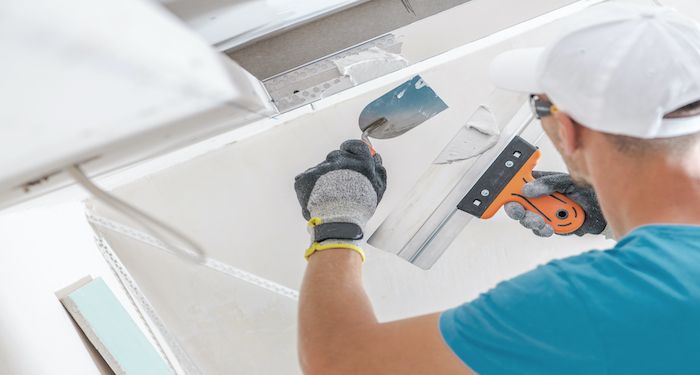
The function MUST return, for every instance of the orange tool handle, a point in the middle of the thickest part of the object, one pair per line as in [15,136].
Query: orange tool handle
[370,147]
[563,214]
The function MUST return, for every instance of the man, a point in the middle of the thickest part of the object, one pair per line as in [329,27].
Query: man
[617,92]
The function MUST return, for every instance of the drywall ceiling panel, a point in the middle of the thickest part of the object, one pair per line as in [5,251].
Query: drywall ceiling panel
[225,326]
[334,33]
[450,24]
[229,23]
[469,22]
[110,82]
[252,178]
[238,202]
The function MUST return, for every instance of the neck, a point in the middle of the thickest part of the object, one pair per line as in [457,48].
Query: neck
[637,191]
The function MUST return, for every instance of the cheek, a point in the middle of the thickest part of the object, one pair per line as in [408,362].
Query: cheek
[549,127]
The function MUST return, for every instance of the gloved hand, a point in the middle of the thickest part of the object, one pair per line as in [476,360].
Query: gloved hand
[546,183]
[339,196]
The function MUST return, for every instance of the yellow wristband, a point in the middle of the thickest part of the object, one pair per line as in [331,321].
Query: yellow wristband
[317,247]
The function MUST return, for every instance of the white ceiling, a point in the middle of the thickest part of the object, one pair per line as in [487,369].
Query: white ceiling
[229,23]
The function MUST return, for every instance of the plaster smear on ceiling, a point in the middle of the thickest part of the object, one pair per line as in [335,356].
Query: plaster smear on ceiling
[478,135]
[369,65]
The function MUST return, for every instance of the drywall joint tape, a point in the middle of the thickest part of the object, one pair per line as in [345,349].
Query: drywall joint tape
[208,262]
[133,291]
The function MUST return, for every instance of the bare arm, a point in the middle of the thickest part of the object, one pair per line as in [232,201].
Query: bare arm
[339,334]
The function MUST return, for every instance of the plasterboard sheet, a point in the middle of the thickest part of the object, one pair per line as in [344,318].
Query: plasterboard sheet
[230,23]
[113,331]
[437,26]
[225,325]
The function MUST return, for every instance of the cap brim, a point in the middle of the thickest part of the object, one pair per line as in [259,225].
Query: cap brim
[515,70]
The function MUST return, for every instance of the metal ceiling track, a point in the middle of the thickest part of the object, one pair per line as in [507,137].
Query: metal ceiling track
[320,78]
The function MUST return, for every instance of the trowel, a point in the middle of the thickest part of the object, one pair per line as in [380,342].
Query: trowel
[399,111]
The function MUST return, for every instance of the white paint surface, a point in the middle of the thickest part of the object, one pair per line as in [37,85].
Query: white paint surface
[230,23]
[96,48]
[369,65]
[110,82]
[478,20]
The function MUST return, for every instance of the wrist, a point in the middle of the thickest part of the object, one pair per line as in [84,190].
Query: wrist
[315,248]
[335,234]
[347,255]
[342,212]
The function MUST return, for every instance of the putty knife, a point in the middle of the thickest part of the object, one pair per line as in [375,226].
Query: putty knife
[448,196]
[502,182]
[399,110]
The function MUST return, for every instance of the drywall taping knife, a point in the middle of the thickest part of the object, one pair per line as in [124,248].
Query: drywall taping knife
[502,183]
[425,224]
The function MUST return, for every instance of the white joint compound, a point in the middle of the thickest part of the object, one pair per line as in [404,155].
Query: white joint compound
[479,134]
[369,64]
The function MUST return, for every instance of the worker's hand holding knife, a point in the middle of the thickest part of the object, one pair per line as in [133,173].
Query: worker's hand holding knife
[547,183]
[339,196]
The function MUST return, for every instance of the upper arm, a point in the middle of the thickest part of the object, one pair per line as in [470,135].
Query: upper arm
[409,346]
[537,323]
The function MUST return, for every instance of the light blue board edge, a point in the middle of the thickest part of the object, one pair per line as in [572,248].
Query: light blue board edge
[117,331]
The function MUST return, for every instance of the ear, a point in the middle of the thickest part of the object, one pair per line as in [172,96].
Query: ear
[569,133]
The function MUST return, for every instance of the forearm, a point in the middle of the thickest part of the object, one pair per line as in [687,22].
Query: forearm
[333,307]
[338,332]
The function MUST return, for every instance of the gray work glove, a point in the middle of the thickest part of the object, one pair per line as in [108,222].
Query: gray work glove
[345,188]
[546,183]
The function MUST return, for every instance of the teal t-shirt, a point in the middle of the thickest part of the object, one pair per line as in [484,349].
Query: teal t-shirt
[634,309]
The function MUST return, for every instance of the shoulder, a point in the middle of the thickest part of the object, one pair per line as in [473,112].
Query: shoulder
[587,312]
[649,255]
[526,325]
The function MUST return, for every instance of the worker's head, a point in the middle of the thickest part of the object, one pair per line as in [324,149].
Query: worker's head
[625,74]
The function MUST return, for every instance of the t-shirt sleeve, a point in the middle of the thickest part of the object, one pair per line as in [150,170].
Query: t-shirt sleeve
[536,323]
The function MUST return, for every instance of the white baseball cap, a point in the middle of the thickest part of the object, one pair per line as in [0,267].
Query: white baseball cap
[615,68]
